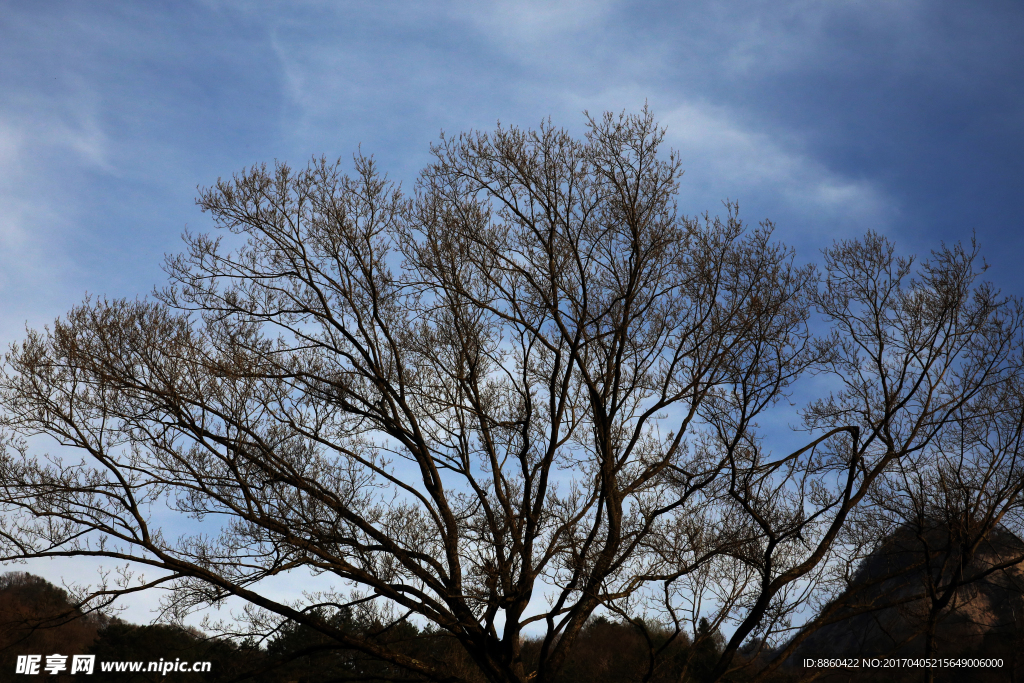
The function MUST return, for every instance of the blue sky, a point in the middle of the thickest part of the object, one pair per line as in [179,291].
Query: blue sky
[830,117]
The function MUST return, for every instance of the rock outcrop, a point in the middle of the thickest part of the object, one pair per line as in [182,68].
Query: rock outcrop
[885,612]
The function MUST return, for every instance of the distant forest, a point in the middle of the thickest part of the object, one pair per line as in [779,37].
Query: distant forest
[37,617]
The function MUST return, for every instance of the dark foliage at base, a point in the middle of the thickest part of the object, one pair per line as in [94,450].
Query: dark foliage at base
[36,617]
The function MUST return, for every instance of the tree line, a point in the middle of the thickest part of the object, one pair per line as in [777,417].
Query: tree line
[37,617]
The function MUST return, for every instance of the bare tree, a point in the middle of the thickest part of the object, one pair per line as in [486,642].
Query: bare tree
[917,359]
[954,500]
[527,391]
[943,550]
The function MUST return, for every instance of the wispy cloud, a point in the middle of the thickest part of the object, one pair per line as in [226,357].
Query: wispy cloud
[41,151]
[520,24]
[732,158]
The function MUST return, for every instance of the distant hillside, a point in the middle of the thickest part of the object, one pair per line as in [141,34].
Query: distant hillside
[37,618]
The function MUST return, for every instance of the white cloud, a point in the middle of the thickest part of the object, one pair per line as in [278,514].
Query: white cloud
[735,155]
[730,155]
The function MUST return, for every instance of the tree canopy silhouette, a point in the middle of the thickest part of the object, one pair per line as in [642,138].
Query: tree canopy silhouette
[527,391]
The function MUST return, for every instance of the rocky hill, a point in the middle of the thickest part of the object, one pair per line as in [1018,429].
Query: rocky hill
[887,608]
